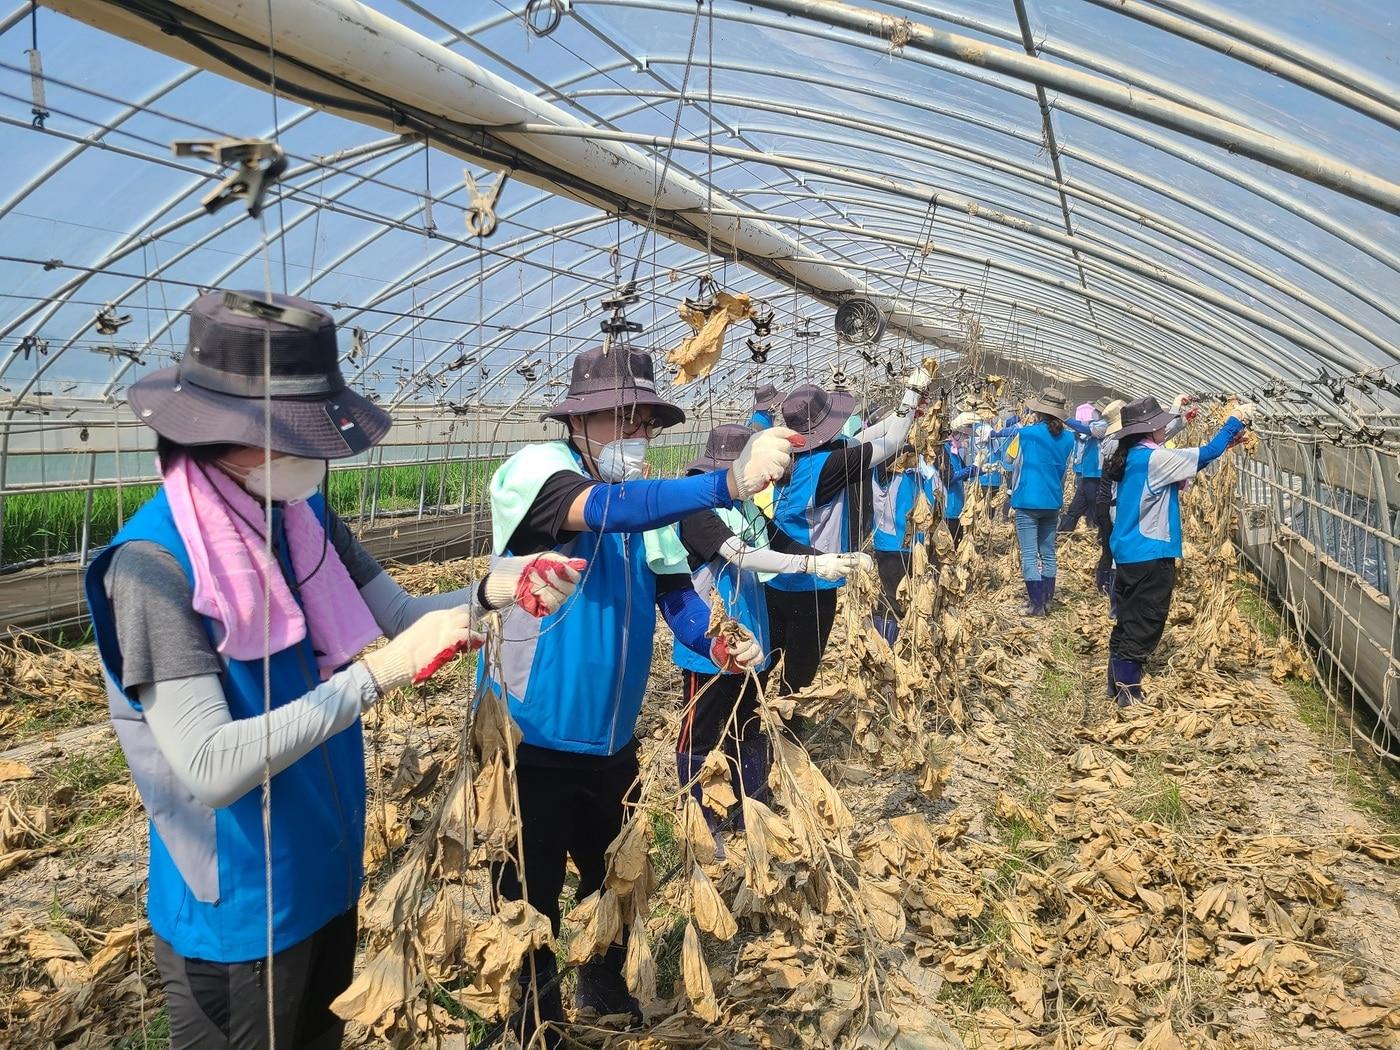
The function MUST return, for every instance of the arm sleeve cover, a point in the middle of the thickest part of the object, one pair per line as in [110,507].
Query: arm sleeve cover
[1176,426]
[688,617]
[636,506]
[394,609]
[964,473]
[734,552]
[886,436]
[220,758]
[1216,446]
[1078,427]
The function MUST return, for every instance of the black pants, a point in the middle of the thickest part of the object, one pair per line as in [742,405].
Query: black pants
[1144,593]
[955,529]
[799,623]
[1083,505]
[223,1006]
[710,701]
[893,567]
[1103,503]
[567,811]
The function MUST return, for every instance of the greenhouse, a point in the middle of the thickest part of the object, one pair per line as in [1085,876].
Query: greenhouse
[705,523]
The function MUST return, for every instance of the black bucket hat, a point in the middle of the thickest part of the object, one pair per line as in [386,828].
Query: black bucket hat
[1143,416]
[722,448]
[816,414]
[767,397]
[1049,402]
[217,394]
[618,378]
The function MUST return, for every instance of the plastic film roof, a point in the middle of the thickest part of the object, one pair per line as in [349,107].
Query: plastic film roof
[1238,232]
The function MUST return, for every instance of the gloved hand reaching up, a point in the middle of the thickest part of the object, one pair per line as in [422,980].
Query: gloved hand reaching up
[1246,412]
[423,647]
[539,584]
[743,654]
[764,459]
[838,566]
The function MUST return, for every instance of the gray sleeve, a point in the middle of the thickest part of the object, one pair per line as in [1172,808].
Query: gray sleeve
[760,559]
[886,436]
[161,636]
[394,609]
[1176,426]
[359,562]
[1169,466]
[220,758]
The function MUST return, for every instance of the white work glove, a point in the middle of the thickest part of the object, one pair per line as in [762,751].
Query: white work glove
[763,460]
[422,648]
[744,655]
[539,584]
[838,566]
[1246,412]
[914,388]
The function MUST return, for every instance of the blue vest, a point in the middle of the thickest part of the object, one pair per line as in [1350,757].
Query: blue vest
[1146,525]
[1038,474]
[741,591]
[892,505]
[957,496]
[1089,464]
[207,890]
[825,528]
[761,420]
[574,680]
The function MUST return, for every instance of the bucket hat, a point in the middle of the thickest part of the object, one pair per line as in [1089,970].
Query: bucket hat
[767,397]
[965,419]
[1049,402]
[602,381]
[722,448]
[1111,412]
[1143,416]
[816,414]
[217,394]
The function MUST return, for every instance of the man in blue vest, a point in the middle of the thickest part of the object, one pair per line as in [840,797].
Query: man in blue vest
[575,681]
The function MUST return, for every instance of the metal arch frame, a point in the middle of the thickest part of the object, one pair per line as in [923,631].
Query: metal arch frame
[954,200]
[1082,192]
[1140,213]
[1136,130]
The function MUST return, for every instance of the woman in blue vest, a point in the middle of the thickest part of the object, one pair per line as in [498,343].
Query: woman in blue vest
[1084,503]
[894,496]
[731,551]
[575,681]
[194,601]
[1039,459]
[811,504]
[765,402]
[957,465]
[1146,536]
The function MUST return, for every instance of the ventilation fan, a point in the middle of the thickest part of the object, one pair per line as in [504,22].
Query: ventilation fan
[859,322]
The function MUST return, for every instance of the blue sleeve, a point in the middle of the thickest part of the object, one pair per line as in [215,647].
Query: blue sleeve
[965,473]
[1078,427]
[688,617]
[636,506]
[1216,446]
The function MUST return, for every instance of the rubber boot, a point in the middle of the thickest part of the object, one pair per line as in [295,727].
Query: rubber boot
[687,769]
[1047,595]
[602,989]
[888,627]
[524,1023]
[1127,681]
[1112,688]
[1033,589]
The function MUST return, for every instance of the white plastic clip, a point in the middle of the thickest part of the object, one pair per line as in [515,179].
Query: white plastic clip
[481,212]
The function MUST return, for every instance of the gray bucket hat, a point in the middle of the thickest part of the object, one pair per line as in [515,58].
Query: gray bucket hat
[618,378]
[217,394]
[1049,402]
[816,414]
[722,448]
[1143,416]
[767,397]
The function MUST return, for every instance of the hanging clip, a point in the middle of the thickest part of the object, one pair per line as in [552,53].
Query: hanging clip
[238,303]
[108,322]
[357,344]
[481,212]
[32,344]
[36,89]
[259,165]
[617,324]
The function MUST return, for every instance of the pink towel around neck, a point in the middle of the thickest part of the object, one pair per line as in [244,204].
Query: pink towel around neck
[222,527]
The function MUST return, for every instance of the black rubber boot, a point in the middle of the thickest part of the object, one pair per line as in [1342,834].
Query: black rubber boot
[539,1029]
[602,988]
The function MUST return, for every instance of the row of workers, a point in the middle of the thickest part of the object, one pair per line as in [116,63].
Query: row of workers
[233,611]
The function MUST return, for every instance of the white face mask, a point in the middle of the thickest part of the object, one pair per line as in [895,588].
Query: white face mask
[622,460]
[287,479]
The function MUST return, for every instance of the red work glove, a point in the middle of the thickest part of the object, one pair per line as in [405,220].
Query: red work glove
[539,583]
[745,655]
